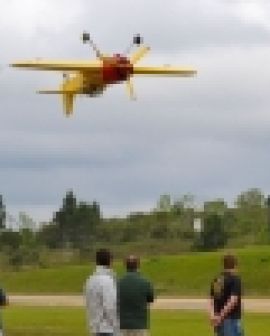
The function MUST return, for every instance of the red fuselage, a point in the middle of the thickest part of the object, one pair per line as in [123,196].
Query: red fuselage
[116,69]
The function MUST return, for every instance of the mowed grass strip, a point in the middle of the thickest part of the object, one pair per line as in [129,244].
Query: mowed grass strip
[187,274]
[21,321]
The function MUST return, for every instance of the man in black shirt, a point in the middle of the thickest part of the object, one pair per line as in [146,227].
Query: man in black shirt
[225,300]
[3,302]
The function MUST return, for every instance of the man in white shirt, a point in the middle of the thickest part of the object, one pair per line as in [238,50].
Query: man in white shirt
[100,296]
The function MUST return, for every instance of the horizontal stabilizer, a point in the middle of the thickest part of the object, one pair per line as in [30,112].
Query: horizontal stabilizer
[57,91]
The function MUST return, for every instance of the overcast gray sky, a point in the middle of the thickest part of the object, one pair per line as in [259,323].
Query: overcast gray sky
[208,135]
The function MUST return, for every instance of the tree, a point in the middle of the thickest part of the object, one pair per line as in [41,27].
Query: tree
[26,222]
[252,198]
[49,235]
[11,239]
[2,213]
[183,204]
[85,221]
[164,203]
[217,206]
[251,213]
[213,234]
[76,222]
[268,217]
[64,218]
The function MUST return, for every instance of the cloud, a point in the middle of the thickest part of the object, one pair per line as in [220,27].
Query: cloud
[32,18]
[252,12]
[207,135]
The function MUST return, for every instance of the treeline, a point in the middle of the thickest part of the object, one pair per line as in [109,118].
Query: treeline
[173,226]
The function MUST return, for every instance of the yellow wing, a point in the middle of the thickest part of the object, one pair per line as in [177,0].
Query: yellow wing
[163,71]
[58,65]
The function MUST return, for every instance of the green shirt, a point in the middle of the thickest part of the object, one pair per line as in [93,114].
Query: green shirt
[134,295]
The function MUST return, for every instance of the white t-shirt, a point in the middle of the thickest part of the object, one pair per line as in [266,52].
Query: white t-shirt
[101,301]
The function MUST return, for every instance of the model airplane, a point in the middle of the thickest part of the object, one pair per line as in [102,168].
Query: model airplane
[92,77]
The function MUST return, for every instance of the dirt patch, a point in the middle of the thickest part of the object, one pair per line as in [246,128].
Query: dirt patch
[253,305]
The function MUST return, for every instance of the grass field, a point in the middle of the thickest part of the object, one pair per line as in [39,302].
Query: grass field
[69,322]
[187,274]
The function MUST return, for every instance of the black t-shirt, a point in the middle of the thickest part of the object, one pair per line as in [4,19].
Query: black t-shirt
[222,288]
[3,299]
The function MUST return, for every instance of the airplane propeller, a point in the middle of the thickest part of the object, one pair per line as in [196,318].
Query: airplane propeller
[130,89]
[86,38]
[137,39]
[139,54]
[134,58]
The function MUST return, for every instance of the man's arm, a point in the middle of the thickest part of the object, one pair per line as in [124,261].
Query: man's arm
[212,315]
[230,304]
[109,301]
[150,293]
[233,299]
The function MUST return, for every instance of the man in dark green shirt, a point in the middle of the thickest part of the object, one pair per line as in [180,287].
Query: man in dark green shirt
[135,293]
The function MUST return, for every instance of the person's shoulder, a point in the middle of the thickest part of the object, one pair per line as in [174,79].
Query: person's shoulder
[93,279]
[133,276]
[122,278]
[126,278]
[2,292]
[99,281]
[105,280]
[236,278]
[143,279]
[233,279]
[90,281]
[233,276]
[218,278]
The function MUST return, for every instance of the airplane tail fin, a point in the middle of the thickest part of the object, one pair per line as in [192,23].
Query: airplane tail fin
[68,103]
[68,98]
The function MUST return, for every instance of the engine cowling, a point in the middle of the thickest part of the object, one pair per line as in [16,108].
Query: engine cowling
[116,69]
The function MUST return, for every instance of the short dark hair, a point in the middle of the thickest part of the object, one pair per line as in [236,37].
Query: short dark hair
[132,263]
[229,261]
[103,257]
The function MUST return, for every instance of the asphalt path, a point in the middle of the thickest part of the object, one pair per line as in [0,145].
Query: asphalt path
[252,305]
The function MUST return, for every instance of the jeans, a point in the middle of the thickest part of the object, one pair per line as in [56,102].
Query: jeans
[104,334]
[229,327]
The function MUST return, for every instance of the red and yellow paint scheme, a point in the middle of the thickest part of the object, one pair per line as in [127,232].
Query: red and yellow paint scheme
[92,77]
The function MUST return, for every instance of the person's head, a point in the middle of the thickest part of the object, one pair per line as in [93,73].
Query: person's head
[132,263]
[229,262]
[103,257]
